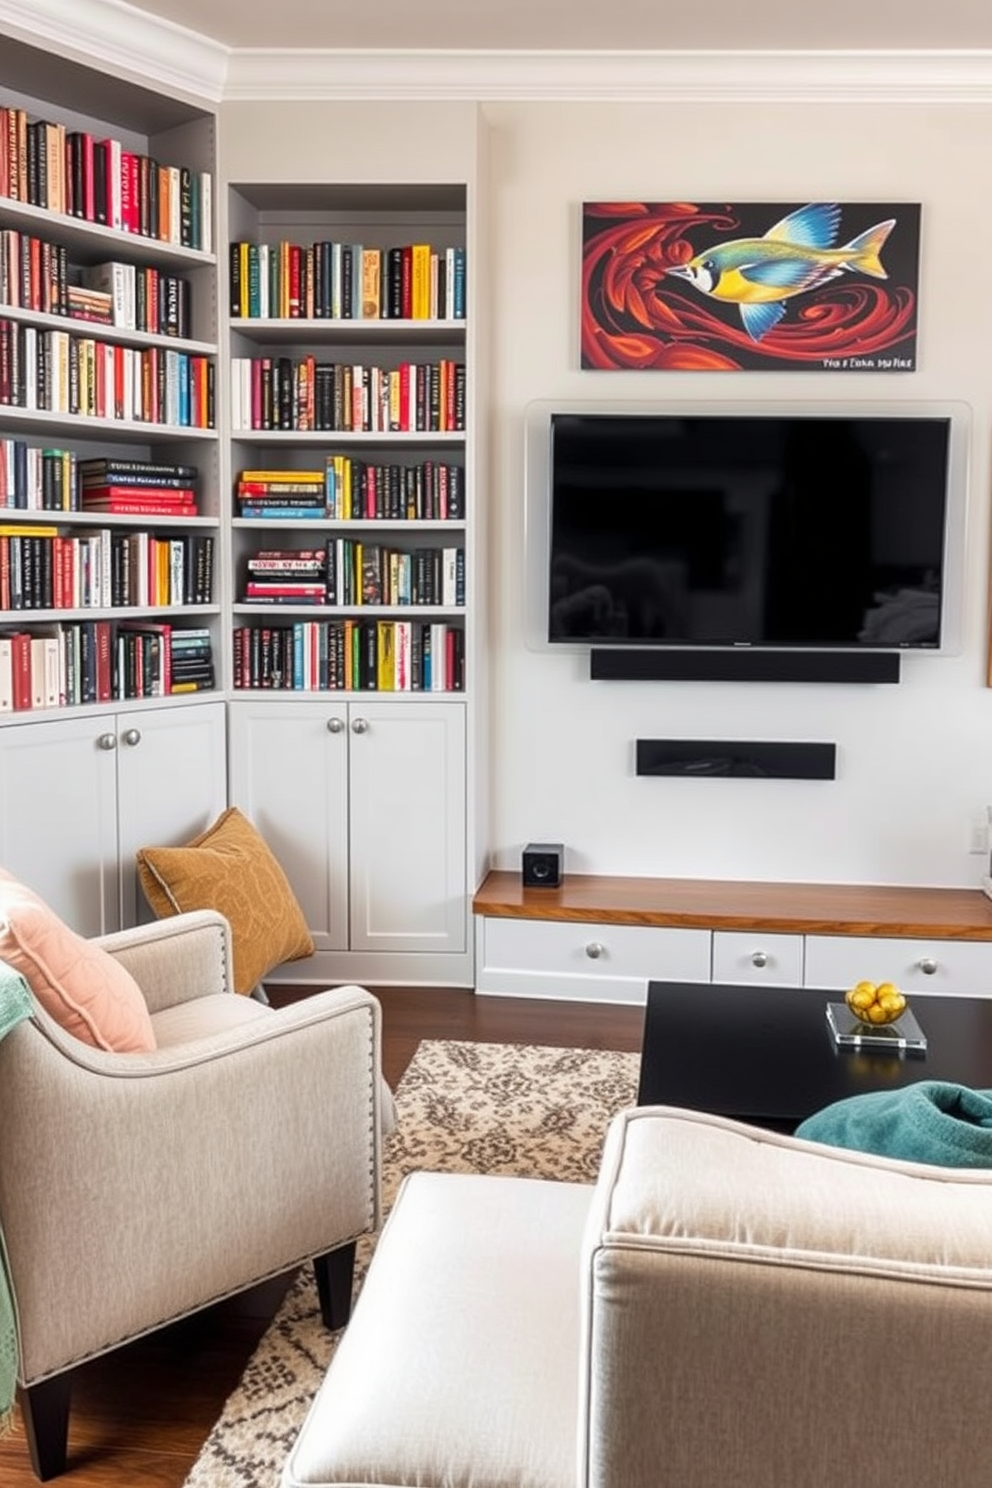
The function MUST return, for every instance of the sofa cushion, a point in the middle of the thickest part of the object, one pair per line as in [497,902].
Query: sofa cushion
[80,985]
[469,1270]
[230,868]
[931,1121]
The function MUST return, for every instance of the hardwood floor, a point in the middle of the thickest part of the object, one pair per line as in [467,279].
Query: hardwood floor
[140,1415]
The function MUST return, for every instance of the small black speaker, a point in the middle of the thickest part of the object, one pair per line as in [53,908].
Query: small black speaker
[543,864]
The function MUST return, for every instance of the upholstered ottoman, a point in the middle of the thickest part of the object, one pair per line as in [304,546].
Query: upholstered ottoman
[468,1325]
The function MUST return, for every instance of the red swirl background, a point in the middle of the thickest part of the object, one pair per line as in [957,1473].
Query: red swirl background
[635,317]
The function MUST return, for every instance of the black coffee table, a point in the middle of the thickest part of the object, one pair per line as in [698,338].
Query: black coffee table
[765,1055]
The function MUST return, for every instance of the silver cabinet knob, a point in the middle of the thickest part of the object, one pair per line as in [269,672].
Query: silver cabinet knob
[335,725]
[759,958]
[360,726]
[595,949]
[107,741]
[132,736]
[928,965]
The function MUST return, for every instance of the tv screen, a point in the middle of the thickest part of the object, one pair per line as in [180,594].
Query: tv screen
[745,530]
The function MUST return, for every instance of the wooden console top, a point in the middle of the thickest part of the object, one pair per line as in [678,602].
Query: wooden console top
[801,909]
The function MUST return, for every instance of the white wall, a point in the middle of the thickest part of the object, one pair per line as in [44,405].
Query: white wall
[914,760]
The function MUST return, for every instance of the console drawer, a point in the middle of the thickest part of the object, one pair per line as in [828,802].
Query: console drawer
[962,968]
[585,961]
[752,957]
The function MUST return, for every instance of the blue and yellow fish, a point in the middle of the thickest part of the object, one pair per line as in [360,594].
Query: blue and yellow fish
[793,257]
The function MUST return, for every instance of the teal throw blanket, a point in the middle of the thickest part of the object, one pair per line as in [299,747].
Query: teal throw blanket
[15,1004]
[932,1121]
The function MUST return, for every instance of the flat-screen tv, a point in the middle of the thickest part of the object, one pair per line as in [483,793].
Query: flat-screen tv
[823,530]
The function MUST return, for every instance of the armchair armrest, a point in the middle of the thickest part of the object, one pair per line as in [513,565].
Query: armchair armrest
[172,960]
[181,1176]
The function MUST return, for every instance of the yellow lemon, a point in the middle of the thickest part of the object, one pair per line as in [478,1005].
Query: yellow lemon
[861,997]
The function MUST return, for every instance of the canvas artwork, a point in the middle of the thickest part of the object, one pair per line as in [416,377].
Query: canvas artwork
[766,286]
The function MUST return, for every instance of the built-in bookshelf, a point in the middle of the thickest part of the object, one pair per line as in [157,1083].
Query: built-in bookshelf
[347,324]
[110,507]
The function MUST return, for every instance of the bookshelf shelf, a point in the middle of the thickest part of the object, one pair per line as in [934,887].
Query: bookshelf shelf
[77,326]
[370,333]
[84,425]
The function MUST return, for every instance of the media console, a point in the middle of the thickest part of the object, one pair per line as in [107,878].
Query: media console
[600,938]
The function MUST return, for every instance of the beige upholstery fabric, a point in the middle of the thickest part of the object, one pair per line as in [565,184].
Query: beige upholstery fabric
[751,1312]
[135,1188]
[467,1270]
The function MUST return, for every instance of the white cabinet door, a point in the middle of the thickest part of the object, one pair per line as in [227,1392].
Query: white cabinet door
[289,775]
[58,816]
[79,796]
[408,871]
[171,784]
[363,803]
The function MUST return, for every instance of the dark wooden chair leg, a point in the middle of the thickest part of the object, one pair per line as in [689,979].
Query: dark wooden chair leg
[45,1408]
[335,1273]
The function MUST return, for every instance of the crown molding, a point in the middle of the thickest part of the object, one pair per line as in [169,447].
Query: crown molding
[122,39]
[676,77]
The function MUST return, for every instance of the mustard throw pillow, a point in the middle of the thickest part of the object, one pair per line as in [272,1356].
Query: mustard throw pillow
[79,984]
[231,868]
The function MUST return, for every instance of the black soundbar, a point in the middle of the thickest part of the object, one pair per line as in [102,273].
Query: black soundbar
[608,664]
[741,759]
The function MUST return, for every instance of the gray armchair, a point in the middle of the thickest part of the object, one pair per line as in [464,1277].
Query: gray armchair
[138,1188]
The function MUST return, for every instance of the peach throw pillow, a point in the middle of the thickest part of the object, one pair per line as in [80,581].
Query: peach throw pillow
[79,984]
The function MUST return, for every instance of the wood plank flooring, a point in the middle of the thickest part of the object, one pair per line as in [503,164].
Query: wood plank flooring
[140,1415]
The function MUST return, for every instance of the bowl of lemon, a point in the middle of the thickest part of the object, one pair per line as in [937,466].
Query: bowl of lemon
[875,1004]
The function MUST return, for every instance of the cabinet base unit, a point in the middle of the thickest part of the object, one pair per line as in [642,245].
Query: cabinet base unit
[80,795]
[602,939]
[363,804]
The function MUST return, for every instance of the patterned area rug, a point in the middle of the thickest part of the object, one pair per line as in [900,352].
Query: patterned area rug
[463,1107]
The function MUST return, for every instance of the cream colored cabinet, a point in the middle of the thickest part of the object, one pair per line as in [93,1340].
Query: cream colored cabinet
[79,795]
[364,804]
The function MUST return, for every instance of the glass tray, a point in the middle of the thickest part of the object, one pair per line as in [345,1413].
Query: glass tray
[904,1033]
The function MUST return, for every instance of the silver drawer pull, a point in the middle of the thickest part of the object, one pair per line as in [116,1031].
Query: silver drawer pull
[131,736]
[595,949]
[335,725]
[927,965]
[360,726]
[759,958]
[107,741]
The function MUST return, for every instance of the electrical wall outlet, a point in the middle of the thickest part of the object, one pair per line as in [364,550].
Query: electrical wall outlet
[979,839]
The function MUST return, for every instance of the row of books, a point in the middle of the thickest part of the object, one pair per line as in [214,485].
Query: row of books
[351,655]
[344,572]
[73,172]
[59,372]
[304,393]
[430,490]
[43,569]
[33,478]
[101,661]
[36,274]
[346,281]
[355,490]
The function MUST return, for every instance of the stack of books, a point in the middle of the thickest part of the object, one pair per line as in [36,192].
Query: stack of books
[283,494]
[287,576]
[138,488]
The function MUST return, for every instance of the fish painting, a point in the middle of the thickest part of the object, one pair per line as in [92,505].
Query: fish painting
[796,255]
